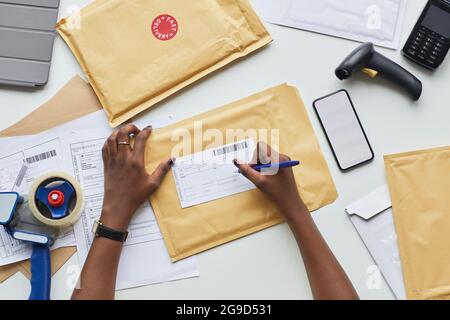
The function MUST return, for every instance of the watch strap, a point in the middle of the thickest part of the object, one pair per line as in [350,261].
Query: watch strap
[106,232]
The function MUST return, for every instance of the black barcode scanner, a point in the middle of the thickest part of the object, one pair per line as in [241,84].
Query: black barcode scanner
[366,59]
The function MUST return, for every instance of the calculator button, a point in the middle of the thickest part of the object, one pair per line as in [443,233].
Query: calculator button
[415,48]
[420,56]
[431,63]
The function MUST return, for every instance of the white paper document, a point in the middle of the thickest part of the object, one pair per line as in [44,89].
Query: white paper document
[372,217]
[75,148]
[377,21]
[40,155]
[210,175]
[144,257]
[93,120]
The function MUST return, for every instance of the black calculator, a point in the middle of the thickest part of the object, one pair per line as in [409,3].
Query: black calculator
[430,40]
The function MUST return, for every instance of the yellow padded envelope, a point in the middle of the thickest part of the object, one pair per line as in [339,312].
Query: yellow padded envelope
[136,53]
[419,184]
[195,229]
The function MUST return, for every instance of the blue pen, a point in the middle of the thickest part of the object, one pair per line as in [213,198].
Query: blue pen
[281,165]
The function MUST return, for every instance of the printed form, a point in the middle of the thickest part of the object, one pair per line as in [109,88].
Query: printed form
[211,175]
[144,257]
[41,154]
[17,172]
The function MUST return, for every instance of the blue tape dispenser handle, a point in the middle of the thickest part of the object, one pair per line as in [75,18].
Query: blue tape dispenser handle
[41,276]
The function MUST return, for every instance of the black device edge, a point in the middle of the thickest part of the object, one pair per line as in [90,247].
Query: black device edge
[328,139]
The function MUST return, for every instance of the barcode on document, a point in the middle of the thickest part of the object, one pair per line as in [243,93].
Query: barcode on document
[232,148]
[40,157]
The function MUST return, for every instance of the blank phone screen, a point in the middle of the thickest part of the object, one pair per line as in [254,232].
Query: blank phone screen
[343,129]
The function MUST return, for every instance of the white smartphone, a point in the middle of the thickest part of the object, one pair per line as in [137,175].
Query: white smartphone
[344,131]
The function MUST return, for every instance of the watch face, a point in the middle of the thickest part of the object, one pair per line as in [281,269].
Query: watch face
[95,227]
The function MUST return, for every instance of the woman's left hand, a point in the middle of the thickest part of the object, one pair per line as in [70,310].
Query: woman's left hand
[127,183]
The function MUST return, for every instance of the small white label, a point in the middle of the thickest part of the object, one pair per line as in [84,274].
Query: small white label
[211,174]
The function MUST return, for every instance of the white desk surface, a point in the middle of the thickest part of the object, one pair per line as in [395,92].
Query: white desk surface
[267,265]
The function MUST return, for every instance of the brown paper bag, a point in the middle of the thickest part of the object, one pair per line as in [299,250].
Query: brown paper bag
[136,53]
[195,229]
[74,100]
[419,183]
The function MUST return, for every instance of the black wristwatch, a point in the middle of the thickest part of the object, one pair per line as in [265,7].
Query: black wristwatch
[100,230]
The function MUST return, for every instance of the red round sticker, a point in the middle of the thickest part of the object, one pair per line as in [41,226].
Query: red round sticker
[164,27]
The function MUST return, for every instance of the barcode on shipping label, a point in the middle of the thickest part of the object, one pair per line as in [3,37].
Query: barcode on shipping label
[231,148]
[41,156]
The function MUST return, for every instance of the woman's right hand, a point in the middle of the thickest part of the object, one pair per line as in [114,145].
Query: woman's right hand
[279,186]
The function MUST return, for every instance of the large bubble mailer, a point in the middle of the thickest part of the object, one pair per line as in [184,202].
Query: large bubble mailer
[136,53]
[419,184]
[199,228]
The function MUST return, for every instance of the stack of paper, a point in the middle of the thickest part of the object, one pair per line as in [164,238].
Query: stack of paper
[71,149]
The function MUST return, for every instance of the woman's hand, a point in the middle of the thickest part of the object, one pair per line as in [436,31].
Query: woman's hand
[279,186]
[326,277]
[127,186]
[127,183]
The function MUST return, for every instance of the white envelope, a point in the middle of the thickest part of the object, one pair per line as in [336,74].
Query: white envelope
[377,21]
[373,219]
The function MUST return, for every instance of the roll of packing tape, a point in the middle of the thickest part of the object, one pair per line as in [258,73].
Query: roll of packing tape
[76,206]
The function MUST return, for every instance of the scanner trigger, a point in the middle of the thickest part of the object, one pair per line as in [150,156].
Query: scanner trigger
[370,72]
